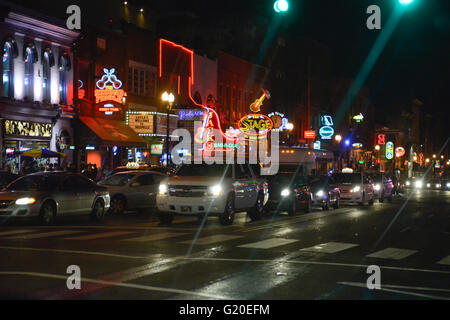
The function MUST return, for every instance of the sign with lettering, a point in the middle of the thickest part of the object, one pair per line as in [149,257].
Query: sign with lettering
[28,129]
[156,149]
[141,123]
[389,150]
[255,124]
[326,133]
[108,90]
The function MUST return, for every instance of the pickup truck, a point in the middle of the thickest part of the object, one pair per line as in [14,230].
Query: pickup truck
[218,189]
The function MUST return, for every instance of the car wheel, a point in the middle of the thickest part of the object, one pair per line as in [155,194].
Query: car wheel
[293,208]
[47,214]
[308,206]
[165,217]
[336,204]
[98,212]
[227,216]
[118,205]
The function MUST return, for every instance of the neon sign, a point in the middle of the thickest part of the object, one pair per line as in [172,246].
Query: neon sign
[109,94]
[326,132]
[109,91]
[256,105]
[358,118]
[326,120]
[317,145]
[389,150]
[280,123]
[381,139]
[400,152]
[310,134]
[260,122]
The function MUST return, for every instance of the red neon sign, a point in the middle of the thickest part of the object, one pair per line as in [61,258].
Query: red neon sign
[109,94]
[255,121]
[310,134]
[381,138]
[256,105]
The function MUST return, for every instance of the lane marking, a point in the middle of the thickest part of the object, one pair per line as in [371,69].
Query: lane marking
[158,236]
[111,283]
[268,243]
[384,288]
[100,235]
[43,235]
[330,247]
[392,253]
[5,233]
[105,254]
[445,261]
[212,239]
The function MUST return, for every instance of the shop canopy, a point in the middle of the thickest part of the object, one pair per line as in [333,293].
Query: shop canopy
[41,153]
[114,132]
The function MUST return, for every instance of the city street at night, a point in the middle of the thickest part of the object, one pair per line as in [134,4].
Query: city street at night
[319,255]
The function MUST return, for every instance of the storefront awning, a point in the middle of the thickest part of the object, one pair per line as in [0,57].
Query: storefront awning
[114,133]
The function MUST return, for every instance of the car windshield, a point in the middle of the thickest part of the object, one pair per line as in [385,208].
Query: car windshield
[347,177]
[120,179]
[204,170]
[35,182]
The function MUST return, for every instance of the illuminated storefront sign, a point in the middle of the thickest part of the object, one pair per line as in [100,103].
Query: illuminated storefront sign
[156,149]
[255,124]
[141,123]
[358,118]
[280,122]
[389,150]
[256,105]
[326,120]
[316,145]
[28,129]
[326,133]
[357,145]
[381,139]
[310,134]
[108,90]
[191,114]
[400,152]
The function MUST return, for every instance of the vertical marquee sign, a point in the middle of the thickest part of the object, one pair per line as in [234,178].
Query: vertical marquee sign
[389,150]
[109,94]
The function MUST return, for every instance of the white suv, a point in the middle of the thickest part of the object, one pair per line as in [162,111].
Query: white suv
[222,190]
[354,187]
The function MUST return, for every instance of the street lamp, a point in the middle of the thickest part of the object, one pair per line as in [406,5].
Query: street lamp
[338,138]
[377,147]
[169,98]
[434,156]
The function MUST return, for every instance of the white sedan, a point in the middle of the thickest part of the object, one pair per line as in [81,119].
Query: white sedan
[133,190]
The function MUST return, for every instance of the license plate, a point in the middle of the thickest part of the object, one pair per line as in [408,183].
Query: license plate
[186,209]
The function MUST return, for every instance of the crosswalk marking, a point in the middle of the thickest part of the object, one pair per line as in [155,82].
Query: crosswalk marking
[5,233]
[268,243]
[212,239]
[157,236]
[392,253]
[445,261]
[44,235]
[330,247]
[100,235]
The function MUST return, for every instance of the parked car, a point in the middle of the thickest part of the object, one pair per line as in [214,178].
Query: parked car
[46,195]
[289,191]
[6,178]
[132,190]
[354,187]
[383,186]
[433,184]
[222,190]
[144,167]
[324,192]
[445,183]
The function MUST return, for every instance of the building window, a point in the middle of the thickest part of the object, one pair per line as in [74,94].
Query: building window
[142,81]
[63,68]
[8,64]
[46,74]
[29,74]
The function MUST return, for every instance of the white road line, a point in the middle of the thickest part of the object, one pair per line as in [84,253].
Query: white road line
[392,253]
[112,283]
[100,235]
[43,235]
[445,261]
[5,233]
[157,236]
[93,253]
[330,247]
[268,244]
[384,288]
[211,239]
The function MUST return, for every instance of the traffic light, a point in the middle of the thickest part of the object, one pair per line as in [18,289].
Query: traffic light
[281,6]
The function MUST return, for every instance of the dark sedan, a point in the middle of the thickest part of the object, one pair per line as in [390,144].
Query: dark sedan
[46,195]
[324,193]
[288,191]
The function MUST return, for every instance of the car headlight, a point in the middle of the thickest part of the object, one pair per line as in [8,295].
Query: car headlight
[216,190]
[320,193]
[438,185]
[448,184]
[25,201]
[408,183]
[419,184]
[357,189]
[285,193]
[428,185]
[163,189]
[377,187]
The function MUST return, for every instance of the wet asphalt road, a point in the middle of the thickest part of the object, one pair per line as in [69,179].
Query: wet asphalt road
[320,255]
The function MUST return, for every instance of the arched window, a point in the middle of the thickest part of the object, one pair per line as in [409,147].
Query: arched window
[8,56]
[29,73]
[46,75]
[63,68]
